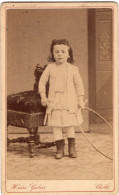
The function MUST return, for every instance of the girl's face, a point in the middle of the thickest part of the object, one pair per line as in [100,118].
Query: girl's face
[61,53]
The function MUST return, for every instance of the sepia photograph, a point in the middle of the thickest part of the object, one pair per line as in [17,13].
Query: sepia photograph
[59,97]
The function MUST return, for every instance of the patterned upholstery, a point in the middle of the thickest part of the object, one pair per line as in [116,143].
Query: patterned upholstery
[27,101]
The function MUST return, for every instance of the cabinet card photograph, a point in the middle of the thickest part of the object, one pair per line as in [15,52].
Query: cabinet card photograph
[59,98]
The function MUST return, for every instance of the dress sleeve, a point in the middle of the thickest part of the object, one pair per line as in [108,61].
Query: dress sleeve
[44,79]
[78,82]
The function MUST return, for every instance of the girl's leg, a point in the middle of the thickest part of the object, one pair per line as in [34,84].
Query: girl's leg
[57,133]
[70,132]
[58,137]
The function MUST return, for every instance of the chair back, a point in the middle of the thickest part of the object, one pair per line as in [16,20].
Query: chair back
[37,73]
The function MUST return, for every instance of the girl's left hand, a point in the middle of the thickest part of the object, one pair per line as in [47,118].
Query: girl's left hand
[81,104]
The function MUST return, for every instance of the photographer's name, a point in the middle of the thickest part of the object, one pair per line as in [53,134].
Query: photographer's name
[31,187]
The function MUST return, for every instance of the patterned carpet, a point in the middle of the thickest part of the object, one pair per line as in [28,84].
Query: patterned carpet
[89,165]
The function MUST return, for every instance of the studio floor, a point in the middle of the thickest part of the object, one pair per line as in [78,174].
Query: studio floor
[89,164]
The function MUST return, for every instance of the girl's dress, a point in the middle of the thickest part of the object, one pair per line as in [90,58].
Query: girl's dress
[65,86]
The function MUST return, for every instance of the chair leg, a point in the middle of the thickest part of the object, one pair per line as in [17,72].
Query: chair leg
[36,137]
[32,144]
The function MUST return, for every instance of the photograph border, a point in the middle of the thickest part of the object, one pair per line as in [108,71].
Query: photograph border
[66,5]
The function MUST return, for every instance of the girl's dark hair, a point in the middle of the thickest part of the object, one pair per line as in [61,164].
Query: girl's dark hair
[60,42]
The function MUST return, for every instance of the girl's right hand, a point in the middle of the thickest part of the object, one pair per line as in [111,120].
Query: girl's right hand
[44,101]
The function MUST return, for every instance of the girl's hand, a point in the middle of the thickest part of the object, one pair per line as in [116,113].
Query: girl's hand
[81,103]
[44,101]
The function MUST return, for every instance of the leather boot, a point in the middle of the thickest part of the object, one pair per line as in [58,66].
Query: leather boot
[71,148]
[60,148]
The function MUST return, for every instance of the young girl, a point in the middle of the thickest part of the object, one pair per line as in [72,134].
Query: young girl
[65,95]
